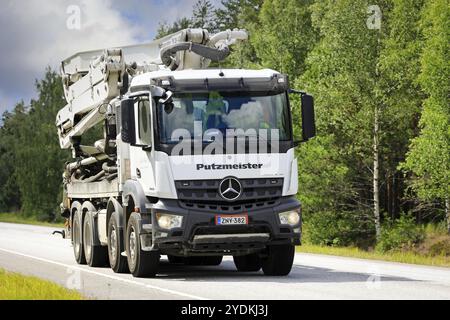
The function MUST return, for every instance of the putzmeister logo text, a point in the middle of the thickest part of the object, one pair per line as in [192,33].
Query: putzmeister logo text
[240,166]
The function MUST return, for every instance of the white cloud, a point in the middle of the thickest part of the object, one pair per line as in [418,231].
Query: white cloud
[34,34]
[150,13]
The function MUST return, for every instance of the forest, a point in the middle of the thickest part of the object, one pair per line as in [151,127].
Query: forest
[377,173]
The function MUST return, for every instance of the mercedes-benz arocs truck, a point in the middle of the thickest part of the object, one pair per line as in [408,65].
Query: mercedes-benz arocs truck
[195,163]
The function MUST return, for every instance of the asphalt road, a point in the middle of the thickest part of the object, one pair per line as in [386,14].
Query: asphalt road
[34,251]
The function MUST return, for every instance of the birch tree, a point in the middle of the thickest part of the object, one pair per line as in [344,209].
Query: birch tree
[429,156]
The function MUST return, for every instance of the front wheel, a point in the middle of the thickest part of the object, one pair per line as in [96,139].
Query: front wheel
[279,260]
[141,263]
[117,262]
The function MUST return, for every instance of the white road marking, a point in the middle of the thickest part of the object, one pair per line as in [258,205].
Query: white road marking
[149,286]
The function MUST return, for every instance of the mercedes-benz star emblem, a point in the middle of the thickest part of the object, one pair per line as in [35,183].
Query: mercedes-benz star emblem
[230,189]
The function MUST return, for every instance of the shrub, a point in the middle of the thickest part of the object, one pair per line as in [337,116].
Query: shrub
[400,234]
[339,229]
[436,229]
[440,247]
[437,240]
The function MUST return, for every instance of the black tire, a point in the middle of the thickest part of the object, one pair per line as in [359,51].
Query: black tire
[175,259]
[247,263]
[203,260]
[279,260]
[96,255]
[141,263]
[77,237]
[117,262]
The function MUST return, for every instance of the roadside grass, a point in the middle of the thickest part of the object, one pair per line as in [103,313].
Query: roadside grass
[15,286]
[18,218]
[400,256]
[433,250]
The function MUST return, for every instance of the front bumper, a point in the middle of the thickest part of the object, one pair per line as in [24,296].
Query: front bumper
[200,235]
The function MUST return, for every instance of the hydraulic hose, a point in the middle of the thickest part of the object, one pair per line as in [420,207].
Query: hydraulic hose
[213,54]
[112,177]
[109,169]
[85,162]
[95,178]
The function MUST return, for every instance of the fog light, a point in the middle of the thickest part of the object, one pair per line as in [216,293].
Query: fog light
[290,217]
[168,221]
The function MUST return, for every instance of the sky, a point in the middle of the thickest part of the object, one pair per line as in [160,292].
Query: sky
[35,34]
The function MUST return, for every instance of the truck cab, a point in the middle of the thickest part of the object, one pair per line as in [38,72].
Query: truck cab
[212,167]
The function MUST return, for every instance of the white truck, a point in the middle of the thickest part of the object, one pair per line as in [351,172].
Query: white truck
[195,163]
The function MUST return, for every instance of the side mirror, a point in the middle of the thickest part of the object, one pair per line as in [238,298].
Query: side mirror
[308,118]
[128,130]
[167,98]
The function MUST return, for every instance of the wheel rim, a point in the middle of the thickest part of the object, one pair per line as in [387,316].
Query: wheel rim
[113,245]
[133,249]
[87,239]
[77,236]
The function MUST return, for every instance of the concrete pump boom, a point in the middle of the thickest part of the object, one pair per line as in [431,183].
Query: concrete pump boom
[93,79]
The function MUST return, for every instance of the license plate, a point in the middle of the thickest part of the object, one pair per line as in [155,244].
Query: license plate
[231,220]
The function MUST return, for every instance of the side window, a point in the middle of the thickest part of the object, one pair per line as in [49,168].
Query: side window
[145,132]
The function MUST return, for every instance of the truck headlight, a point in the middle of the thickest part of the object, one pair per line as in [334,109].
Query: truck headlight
[290,217]
[168,221]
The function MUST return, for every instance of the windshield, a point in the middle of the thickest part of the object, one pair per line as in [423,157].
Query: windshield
[224,112]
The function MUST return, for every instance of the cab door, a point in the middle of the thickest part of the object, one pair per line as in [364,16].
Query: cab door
[141,154]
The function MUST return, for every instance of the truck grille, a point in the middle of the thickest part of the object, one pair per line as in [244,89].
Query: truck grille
[203,195]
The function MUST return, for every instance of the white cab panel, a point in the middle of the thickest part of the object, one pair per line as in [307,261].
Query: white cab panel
[168,169]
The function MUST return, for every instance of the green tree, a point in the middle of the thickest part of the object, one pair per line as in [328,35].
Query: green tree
[400,94]
[203,15]
[284,35]
[30,155]
[429,155]
[165,29]
[11,129]
[227,17]
[341,72]
[242,14]
[38,158]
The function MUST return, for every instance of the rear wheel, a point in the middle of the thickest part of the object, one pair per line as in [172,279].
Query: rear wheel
[115,246]
[279,260]
[96,255]
[247,263]
[77,238]
[141,263]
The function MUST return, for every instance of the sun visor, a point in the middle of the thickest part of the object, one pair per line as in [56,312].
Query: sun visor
[275,84]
